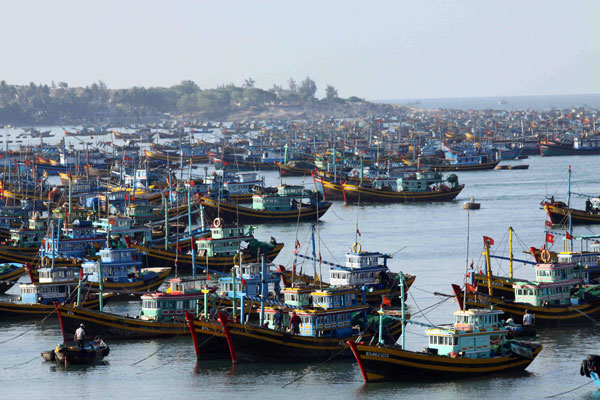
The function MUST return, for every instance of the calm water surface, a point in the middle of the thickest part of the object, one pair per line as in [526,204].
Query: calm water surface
[429,240]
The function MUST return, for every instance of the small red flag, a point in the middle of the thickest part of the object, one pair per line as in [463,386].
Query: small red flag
[568,235]
[488,240]
[549,238]
[549,224]
[358,232]
[178,247]
[471,288]
[297,244]
[81,273]
[243,281]
[385,301]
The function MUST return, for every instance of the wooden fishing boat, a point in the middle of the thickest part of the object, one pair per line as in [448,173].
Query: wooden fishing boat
[364,270]
[559,213]
[295,168]
[175,158]
[9,275]
[548,297]
[419,187]
[71,353]
[217,251]
[320,336]
[475,345]
[285,206]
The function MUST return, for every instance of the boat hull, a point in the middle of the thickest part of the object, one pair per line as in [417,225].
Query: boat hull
[559,215]
[355,194]
[232,212]
[155,257]
[381,363]
[253,343]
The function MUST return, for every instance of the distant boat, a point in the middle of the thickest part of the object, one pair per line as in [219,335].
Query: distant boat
[502,102]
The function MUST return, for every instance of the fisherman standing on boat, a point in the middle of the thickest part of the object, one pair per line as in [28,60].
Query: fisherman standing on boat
[588,205]
[79,335]
[278,320]
[528,319]
[295,324]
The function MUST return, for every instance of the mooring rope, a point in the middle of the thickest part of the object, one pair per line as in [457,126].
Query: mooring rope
[569,391]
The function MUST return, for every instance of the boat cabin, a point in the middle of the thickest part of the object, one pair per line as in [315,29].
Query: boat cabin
[45,293]
[329,314]
[477,333]
[225,241]
[248,281]
[118,265]
[287,198]
[362,269]
[552,285]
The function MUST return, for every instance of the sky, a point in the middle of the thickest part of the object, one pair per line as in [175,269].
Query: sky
[370,49]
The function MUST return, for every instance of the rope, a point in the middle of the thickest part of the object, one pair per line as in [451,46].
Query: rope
[26,362]
[569,391]
[313,368]
[30,329]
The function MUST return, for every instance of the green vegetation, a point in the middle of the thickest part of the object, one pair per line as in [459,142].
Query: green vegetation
[60,104]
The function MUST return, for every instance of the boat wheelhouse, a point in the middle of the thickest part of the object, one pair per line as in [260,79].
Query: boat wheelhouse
[123,227]
[552,286]
[287,198]
[323,312]
[224,241]
[183,295]
[246,281]
[32,235]
[362,269]
[477,333]
[55,284]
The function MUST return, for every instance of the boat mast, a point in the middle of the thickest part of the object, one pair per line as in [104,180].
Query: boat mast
[489,266]
[570,213]
[189,210]
[467,259]
[510,241]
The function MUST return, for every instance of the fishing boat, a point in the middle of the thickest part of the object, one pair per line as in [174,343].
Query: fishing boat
[290,204]
[328,318]
[577,147]
[71,353]
[216,251]
[295,168]
[548,297]
[367,271]
[37,299]
[122,273]
[561,213]
[416,187]
[475,344]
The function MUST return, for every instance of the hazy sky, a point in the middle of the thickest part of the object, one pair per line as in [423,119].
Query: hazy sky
[372,49]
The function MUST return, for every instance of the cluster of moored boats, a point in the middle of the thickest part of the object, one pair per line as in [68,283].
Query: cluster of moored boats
[125,223]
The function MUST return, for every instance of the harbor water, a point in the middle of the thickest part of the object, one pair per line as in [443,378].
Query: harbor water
[427,240]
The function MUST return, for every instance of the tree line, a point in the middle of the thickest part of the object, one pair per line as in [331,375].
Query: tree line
[95,103]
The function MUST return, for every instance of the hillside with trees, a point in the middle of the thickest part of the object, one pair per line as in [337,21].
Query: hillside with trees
[58,104]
